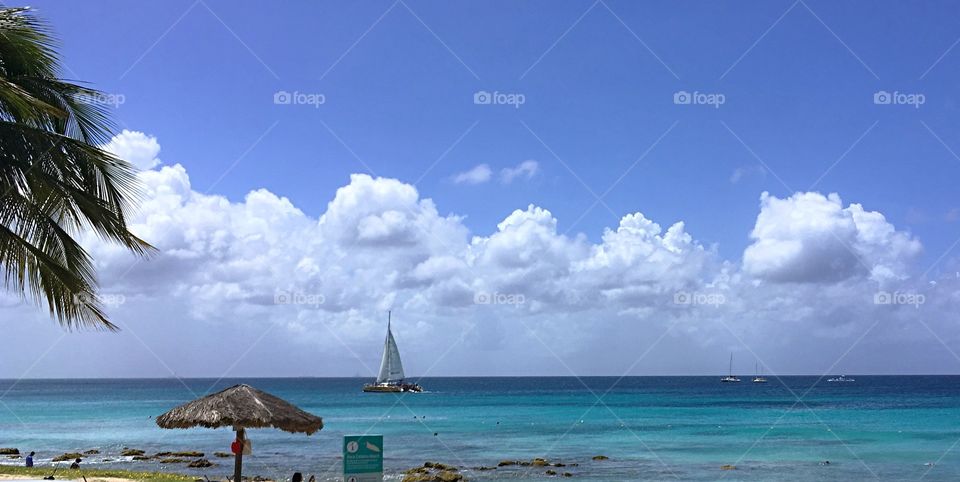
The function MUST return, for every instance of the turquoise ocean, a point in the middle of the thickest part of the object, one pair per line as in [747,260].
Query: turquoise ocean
[651,428]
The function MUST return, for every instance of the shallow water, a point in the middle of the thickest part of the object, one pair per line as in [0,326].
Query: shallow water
[652,428]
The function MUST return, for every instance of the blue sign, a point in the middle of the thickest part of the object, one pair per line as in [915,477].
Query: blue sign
[363,458]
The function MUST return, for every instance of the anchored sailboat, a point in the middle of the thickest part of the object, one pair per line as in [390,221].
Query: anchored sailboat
[758,378]
[841,378]
[730,378]
[391,378]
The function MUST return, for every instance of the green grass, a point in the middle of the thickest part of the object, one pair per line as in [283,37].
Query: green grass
[67,474]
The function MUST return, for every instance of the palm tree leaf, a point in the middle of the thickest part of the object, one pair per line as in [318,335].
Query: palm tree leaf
[55,183]
[43,262]
[95,188]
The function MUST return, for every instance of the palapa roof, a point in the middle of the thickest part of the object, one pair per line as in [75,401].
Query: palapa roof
[241,406]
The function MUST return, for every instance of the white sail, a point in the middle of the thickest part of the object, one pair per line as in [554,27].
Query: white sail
[391,369]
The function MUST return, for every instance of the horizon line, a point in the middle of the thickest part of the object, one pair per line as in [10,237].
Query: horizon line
[294,377]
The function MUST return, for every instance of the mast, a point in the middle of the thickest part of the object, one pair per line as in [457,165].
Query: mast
[731,365]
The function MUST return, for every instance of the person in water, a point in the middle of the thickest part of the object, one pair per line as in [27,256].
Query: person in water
[75,465]
[29,460]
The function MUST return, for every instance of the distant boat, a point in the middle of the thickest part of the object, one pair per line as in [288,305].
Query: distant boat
[841,378]
[391,378]
[759,377]
[730,378]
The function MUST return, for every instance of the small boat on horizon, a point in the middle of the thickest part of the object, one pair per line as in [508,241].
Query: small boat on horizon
[841,378]
[391,378]
[759,374]
[730,378]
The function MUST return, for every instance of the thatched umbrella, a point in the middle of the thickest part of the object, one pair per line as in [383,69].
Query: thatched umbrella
[241,407]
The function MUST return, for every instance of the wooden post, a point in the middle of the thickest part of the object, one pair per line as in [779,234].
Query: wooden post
[238,463]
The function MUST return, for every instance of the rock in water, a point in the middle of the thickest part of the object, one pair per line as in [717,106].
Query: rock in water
[600,457]
[448,476]
[433,472]
[200,464]
[68,456]
[9,451]
[191,454]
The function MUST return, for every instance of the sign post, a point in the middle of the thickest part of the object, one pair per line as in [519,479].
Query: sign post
[363,458]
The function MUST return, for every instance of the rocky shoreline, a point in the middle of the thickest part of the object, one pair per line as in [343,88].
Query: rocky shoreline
[190,458]
[440,472]
[430,471]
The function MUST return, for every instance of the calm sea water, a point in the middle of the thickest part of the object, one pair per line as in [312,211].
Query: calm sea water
[652,428]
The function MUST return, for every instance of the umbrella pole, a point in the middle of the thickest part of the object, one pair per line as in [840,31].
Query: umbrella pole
[238,463]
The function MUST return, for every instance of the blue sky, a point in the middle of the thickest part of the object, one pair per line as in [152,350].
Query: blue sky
[599,117]
[800,96]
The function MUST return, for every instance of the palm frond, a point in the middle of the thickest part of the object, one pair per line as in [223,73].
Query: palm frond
[95,189]
[43,262]
[55,183]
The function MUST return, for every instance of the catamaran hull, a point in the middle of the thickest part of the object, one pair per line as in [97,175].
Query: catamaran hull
[392,388]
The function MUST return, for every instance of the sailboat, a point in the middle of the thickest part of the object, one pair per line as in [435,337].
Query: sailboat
[759,377]
[842,378]
[391,378]
[730,378]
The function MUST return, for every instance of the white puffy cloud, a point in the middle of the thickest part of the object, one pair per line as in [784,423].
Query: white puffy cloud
[480,174]
[135,147]
[307,294]
[810,237]
[524,170]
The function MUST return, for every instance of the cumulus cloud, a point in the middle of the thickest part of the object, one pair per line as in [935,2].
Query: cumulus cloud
[314,289]
[478,175]
[810,237]
[135,147]
[524,170]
